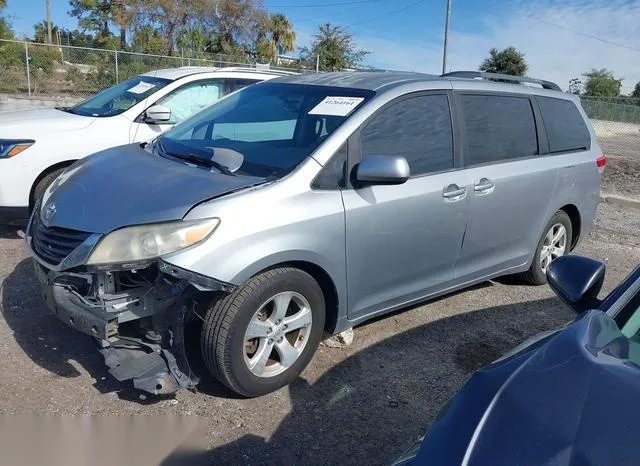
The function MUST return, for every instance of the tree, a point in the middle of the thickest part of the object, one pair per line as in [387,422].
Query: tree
[636,91]
[283,37]
[148,39]
[196,40]
[97,15]
[5,27]
[235,23]
[508,61]
[601,83]
[172,17]
[335,47]
[40,32]
[575,86]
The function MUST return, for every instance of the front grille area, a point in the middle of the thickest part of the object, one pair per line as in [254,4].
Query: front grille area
[54,244]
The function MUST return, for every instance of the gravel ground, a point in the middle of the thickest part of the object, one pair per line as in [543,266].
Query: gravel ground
[623,164]
[361,404]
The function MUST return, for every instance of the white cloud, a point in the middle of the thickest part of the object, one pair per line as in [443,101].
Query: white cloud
[540,29]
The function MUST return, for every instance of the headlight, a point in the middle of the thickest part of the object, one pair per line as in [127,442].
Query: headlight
[144,242]
[11,147]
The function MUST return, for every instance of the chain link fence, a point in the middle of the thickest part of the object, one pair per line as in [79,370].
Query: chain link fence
[35,69]
[616,121]
[64,73]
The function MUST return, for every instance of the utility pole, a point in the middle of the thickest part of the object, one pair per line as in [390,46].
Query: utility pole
[446,37]
[49,39]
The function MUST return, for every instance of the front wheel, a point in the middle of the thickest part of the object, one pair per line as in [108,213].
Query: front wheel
[42,185]
[554,242]
[260,337]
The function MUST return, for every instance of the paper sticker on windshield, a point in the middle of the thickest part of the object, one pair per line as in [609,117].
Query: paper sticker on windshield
[336,106]
[141,87]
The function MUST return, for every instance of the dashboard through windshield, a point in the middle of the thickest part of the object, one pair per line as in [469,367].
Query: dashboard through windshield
[269,127]
[119,98]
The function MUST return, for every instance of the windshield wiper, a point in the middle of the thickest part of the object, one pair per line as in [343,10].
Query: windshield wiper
[198,160]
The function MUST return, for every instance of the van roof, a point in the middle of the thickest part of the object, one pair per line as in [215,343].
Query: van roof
[376,80]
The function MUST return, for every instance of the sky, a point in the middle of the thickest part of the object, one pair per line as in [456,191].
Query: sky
[560,39]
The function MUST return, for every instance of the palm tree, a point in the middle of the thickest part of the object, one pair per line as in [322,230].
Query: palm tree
[283,37]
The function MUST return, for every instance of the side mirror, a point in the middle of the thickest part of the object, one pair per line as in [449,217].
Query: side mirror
[382,169]
[157,114]
[577,281]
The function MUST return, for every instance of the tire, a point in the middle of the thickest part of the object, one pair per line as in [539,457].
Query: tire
[536,275]
[42,186]
[235,359]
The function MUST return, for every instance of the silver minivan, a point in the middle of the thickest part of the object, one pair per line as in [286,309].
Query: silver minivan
[307,205]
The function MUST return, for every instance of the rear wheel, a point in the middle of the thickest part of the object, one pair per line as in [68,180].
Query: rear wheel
[554,242]
[262,336]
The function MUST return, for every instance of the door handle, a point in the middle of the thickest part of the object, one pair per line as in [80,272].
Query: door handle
[453,192]
[484,186]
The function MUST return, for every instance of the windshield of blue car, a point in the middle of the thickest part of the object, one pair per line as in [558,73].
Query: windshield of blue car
[270,127]
[119,98]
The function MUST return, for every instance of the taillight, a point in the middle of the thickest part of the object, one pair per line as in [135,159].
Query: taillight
[601,161]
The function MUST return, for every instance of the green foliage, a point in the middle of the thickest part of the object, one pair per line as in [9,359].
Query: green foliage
[75,77]
[195,40]
[131,69]
[98,15]
[636,91]
[6,32]
[40,32]
[508,61]
[335,47]
[43,58]
[612,109]
[148,40]
[11,55]
[601,83]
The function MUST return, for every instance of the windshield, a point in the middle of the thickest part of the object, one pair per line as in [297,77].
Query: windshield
[269,128]
[119,98]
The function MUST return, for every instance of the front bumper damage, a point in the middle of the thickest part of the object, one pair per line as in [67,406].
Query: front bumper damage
[137,318]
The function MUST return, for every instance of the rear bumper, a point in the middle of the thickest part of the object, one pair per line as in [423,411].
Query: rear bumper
[16,216]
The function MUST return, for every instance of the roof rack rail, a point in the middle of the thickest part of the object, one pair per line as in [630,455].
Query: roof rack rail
[265,70]
[502,77]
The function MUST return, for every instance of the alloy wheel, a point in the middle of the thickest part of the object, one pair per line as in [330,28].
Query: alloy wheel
[554,245]
[277,334]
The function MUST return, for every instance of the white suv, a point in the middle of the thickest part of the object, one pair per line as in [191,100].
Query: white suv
[37,145]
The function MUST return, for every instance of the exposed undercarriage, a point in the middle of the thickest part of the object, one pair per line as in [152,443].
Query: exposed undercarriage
[136,316]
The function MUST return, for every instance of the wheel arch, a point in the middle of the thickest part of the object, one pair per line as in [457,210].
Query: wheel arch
[332,296]
[576,222]
[44,173]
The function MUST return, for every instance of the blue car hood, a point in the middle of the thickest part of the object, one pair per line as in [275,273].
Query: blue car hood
[128,185]
[570,399]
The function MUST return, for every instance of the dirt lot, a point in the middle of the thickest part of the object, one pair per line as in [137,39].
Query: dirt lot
[361,404]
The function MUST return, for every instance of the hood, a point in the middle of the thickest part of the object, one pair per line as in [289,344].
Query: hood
[128,185]
[30,123]
[569,401]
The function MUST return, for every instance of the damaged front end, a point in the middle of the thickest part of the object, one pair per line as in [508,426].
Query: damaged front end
[136,316]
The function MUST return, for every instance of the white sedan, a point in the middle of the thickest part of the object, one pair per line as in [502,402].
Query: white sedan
[37,145]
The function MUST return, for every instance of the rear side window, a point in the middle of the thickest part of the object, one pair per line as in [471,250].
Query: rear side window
[418,128]
[566,130]
[499,128]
